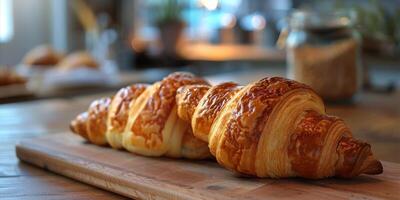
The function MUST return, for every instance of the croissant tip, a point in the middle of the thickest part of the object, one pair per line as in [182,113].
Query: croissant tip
[372,166]
[72,126]
[77,125]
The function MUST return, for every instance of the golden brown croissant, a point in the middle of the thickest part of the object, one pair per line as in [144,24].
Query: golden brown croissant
[273,128]
[143,119]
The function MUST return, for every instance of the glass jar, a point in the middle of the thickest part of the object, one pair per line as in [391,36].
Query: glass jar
[323,52]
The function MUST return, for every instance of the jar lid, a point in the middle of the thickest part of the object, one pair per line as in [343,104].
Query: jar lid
[321,20]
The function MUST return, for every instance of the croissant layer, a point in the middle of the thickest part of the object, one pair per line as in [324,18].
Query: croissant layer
[143,119]
[274,127]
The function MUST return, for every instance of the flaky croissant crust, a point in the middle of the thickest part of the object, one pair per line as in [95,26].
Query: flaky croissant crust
[142,119]
[274,127]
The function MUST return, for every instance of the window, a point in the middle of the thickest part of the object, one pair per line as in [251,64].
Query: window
[202,17]
[6,21]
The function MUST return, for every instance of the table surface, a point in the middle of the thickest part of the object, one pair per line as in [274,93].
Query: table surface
[374,118]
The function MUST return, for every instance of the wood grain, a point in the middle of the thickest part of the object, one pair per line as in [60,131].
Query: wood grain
[19,180]
[162,178]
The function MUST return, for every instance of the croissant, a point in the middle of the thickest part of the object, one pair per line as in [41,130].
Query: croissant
[43,55]
[274,127]
[143,119]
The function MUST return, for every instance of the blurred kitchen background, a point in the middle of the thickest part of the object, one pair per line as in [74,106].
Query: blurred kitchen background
[142,41]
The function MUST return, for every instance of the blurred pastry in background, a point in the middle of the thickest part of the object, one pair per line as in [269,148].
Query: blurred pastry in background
[12,84]
[80,59]
[9,77]
[42,56]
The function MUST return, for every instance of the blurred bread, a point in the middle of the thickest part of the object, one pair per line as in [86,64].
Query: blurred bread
[78,60]
[8,77]
[42,55]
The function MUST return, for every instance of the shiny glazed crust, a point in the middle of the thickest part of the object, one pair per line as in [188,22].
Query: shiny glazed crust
[97,118]
[143,119]
[153,123]
[274,127]
[119,112]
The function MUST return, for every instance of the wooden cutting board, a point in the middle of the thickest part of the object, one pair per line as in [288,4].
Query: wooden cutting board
[162,178]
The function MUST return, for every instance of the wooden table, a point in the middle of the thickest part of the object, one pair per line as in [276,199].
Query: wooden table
[22,181]
[375,118]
